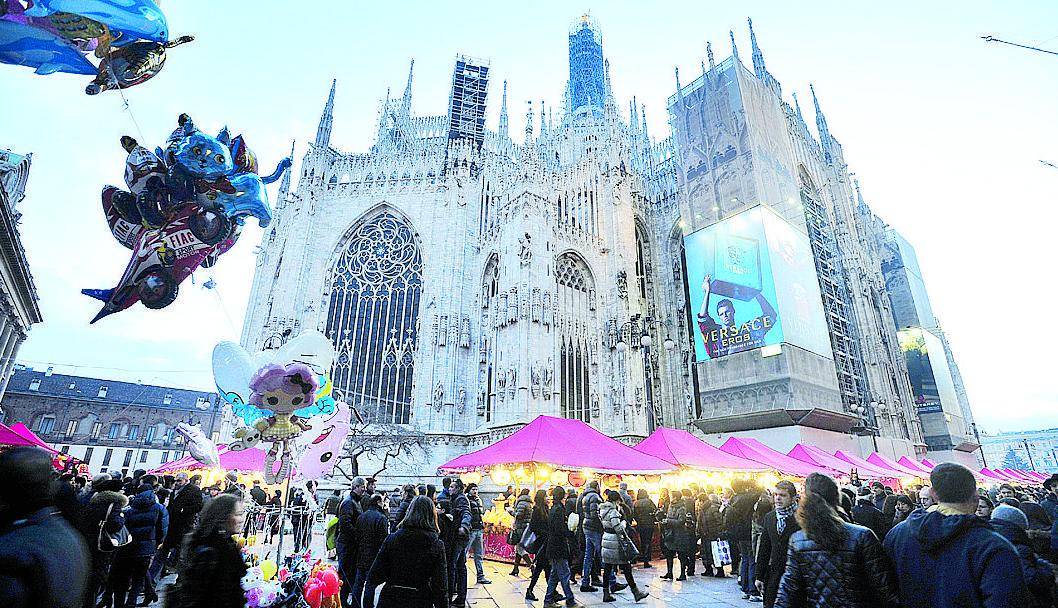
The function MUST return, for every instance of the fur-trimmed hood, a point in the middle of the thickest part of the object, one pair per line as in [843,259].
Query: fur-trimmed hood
[105,497]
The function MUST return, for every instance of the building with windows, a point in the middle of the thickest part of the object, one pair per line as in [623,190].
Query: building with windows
[472,280]
[107,424]
[1022,450]
[18,294]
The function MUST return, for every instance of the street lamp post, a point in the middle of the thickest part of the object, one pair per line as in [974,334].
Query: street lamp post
[638,330]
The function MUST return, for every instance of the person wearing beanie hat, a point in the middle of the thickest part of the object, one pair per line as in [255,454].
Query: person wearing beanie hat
[1012,524]
[1012,515]
[231,481]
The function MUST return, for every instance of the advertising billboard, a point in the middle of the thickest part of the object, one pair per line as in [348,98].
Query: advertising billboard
[752,283]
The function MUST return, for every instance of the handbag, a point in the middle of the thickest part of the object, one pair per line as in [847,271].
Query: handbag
[627,552]
[530,542]
[513,537]
[721,551]
[107,542]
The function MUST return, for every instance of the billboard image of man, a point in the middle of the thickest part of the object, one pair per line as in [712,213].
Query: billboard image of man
[726,337]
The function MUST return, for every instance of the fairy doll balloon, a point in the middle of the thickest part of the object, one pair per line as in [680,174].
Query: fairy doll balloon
[280,393]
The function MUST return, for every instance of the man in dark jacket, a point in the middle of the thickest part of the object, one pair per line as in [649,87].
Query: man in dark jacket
[371,530]
[184,507]
[949,557]
[557,550]
[1012,523]
[779,526]
[878,496]
[257,493]
[456,508]
[1050,501]
[738,527]
[43,561]
[592,526]
[869,516]
[148,522]
[345,543]
[477,532]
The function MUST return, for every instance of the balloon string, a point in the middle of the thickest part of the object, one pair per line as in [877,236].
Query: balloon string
[125,100]
[224,309]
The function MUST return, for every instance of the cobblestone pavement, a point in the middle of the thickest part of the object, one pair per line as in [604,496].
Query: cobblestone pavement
[507,591]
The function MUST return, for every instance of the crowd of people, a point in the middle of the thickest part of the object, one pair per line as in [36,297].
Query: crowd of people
[67,542]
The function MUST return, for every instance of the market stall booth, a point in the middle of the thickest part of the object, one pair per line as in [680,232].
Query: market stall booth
[752,449]
[19,435]
[550,451]
[820,457]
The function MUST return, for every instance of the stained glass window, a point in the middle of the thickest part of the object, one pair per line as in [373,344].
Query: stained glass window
[372,319]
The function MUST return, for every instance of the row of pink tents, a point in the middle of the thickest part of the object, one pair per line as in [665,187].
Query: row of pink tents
[572,444]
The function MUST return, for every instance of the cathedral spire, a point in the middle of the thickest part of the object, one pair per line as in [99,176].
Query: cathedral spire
[734,47]
[323,132]
[797,108]
[643,117]
[679,87]
[758,57]
[284,185]
[543,120]
[633,115]
[610,102]
[503,114]
[405,104]
[529,123]
[709,55]
[825,140]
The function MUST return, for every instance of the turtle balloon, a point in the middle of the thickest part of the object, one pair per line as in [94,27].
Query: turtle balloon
[128,38]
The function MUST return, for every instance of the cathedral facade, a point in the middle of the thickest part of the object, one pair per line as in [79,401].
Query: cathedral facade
[478,279]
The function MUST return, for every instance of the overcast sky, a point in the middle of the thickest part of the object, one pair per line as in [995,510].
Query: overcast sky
[944,131]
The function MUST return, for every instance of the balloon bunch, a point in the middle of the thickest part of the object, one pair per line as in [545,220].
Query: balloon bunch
[322,587]
[184,208]
[260,585]
[129,37]
[282,395]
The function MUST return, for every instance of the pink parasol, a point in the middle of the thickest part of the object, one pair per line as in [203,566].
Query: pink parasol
[561,443]
[817,456]
[683,449]
[750,448]
[243,461]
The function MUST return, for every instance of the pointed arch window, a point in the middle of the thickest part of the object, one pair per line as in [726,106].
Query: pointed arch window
[574,289]
[373,316]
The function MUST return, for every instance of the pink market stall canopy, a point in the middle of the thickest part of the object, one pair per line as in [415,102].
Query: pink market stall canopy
[928,463]
[24,432]
[1020,475]
[243,461]
[560,443]
[819,457]
[752,449]
[883,461]
[11,438]
[994,475]
[681,448]
[914,466]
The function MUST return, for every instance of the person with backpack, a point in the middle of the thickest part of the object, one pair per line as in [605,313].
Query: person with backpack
[102,518]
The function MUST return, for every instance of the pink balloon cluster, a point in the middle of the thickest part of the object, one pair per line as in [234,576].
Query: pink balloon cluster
[322,586]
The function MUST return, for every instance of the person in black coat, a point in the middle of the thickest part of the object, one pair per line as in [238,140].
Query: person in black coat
[107,503]
[456,535]
[644,512]
[738,529]
[183,509]
[1012,524]
[345,542]
[372,528]
[779,525]
[832,563]
[558,553]
[411,562]
[867,515]
[212,568]
[538,524]
[43,560]
[148,523]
